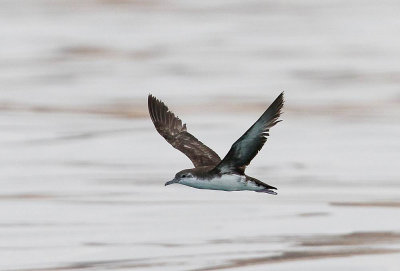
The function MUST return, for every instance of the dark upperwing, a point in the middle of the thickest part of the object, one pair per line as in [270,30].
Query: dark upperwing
[251,142]
[171,128]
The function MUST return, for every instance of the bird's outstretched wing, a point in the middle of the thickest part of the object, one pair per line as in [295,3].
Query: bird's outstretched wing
[251,142]
[171,128]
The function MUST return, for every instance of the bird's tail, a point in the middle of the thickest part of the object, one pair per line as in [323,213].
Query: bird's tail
[266,187]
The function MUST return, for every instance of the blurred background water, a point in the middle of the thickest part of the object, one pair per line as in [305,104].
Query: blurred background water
[82,169]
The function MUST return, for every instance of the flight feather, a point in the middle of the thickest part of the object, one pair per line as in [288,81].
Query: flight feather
[171,128]
[251,142]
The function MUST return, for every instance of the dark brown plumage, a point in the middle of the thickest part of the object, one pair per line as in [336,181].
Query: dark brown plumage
[171,128]
[210,171]
[251,142]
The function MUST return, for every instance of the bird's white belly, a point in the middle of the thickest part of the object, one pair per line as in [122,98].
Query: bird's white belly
[225,182]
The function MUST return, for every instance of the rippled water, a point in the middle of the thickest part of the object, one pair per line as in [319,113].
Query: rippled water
[82,168]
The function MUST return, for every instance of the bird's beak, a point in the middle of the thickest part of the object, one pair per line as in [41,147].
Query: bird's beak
[171,182]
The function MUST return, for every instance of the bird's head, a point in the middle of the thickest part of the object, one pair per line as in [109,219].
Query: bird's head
[182,176]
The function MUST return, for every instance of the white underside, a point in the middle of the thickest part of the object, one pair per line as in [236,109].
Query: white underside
[225,182]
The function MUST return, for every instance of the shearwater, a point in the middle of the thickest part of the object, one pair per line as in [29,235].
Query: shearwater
[210,172]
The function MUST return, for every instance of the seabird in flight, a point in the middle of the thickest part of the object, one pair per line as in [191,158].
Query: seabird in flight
[210,172]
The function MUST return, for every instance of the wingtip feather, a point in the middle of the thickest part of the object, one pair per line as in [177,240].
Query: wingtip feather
[163,117]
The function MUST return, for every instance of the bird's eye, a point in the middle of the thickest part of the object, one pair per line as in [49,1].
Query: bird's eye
[183,176]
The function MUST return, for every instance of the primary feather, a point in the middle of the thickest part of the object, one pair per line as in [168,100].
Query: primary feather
[171,128]
[251,142]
